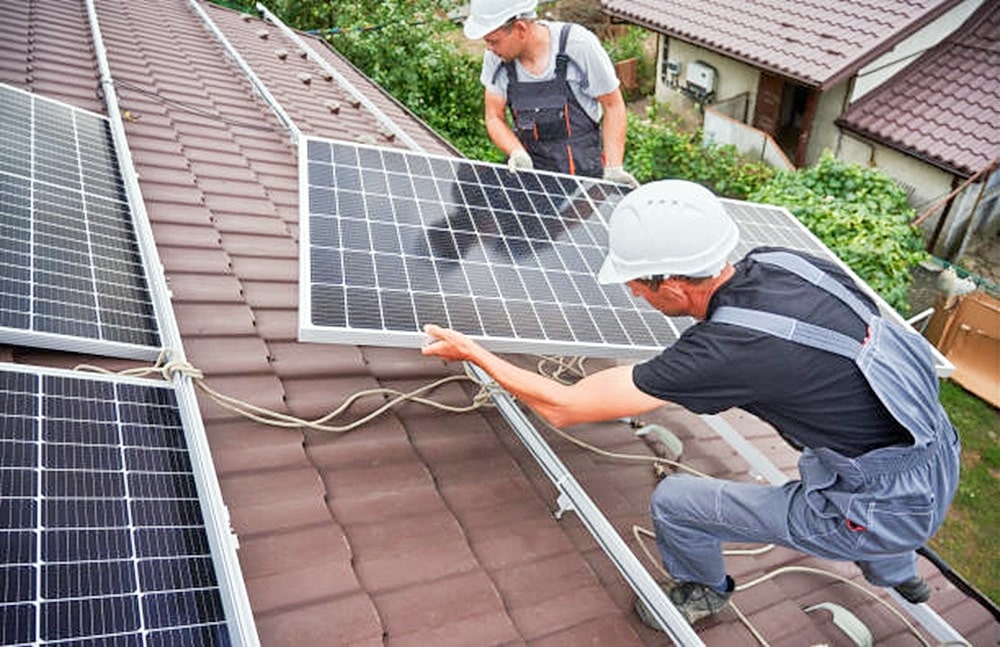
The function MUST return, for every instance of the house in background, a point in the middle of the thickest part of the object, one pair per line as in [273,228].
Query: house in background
[422,527]
[935,127]
[781,82]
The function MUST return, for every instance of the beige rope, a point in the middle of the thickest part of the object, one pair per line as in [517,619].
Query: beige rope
[168,369]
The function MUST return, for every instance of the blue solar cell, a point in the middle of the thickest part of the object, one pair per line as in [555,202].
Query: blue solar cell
[81,266]
[102,537]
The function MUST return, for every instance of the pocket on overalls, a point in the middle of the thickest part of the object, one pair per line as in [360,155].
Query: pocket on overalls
[544,124]
[893,523]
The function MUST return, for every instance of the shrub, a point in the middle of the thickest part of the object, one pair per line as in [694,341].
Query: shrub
[860,214]
[654,150]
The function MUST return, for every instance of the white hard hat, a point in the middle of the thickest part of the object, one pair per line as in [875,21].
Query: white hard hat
[669,227]
[487,15]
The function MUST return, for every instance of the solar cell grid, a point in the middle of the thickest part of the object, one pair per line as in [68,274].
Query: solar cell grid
[398,239]
[71,272]
[101,532]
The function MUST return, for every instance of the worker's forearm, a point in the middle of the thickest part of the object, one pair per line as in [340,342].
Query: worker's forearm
[501,135]
[545,396]
[613,134]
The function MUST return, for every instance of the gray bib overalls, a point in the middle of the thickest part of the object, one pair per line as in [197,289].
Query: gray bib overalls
[553,127]
[875,509]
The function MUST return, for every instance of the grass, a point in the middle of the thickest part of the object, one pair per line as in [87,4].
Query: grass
[968,540]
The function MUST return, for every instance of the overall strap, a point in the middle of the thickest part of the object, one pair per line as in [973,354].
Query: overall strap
[790,329]
[562,59]
[809,272]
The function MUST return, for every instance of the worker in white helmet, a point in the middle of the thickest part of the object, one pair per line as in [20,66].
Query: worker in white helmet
[566,106]
[791,339]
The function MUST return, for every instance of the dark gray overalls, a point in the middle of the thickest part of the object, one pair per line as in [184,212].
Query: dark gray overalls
[875,509]
[554,128]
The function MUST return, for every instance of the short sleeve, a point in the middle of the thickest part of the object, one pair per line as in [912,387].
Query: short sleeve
[586,51]
[493,82]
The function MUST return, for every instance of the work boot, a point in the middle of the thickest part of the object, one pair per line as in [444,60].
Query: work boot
[914,590]
[695,601]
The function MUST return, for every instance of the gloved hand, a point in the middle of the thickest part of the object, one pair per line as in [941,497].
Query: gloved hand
[620,175]
[519,160]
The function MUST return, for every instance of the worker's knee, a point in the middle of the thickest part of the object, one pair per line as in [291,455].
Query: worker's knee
[675,497]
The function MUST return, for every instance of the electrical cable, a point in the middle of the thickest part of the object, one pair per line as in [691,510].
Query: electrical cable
[190,109]
[168,369]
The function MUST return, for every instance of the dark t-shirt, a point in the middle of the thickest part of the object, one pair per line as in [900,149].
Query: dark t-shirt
[812,397]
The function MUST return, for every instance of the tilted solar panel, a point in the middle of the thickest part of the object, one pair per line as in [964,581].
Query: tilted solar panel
[71,273]
[392,240]
[102,538]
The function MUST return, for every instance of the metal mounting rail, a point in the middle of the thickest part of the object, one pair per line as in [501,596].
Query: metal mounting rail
[346,85]
[222,541]
[573,497]
[255,80]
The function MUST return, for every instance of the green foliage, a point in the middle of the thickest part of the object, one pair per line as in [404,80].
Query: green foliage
[967,540]
[860,214]
[411,56]
[632,44]
[655,150]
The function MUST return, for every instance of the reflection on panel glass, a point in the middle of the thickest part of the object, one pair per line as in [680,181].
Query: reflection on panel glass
[400,239]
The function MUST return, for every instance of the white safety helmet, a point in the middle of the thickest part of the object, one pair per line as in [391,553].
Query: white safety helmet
[669,227]
[487,15]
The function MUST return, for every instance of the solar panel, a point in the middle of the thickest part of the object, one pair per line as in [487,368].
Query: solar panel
[102,537]
[393,240]
[71,273]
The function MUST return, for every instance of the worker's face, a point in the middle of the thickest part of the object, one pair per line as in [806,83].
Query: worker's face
[668,299]
[505,41]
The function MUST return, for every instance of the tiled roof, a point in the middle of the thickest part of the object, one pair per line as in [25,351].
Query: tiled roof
[816,42]
[945,106]
[422,527]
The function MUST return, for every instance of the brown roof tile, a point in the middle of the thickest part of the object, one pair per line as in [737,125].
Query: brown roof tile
[422,527]
[944,107]
[816,43]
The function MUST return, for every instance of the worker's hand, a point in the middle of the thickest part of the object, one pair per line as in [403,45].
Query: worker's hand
[519,160]
[620,175]
[449,345]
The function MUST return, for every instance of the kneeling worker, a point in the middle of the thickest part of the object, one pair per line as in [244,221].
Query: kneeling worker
[557,81]
[791,339]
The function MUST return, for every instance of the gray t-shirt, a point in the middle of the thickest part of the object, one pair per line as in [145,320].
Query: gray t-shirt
[590,73]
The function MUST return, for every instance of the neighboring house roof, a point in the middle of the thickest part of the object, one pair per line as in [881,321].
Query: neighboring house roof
[943,108]
[817,43]
[422,527]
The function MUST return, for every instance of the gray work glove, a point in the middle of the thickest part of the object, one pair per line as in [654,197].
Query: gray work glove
[620,175]
[519,160]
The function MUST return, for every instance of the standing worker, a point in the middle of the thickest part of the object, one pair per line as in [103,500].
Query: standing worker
[557,80]
[791,339]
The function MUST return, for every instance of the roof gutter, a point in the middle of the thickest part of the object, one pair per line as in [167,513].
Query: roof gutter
[222,540]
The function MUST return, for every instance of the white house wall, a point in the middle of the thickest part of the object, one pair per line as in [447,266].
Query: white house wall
[881,69]
[927,184]
[733,78]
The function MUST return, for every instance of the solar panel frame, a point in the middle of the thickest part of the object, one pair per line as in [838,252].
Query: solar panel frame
[373,225]
[105,537]
[410,238]
[73,275]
